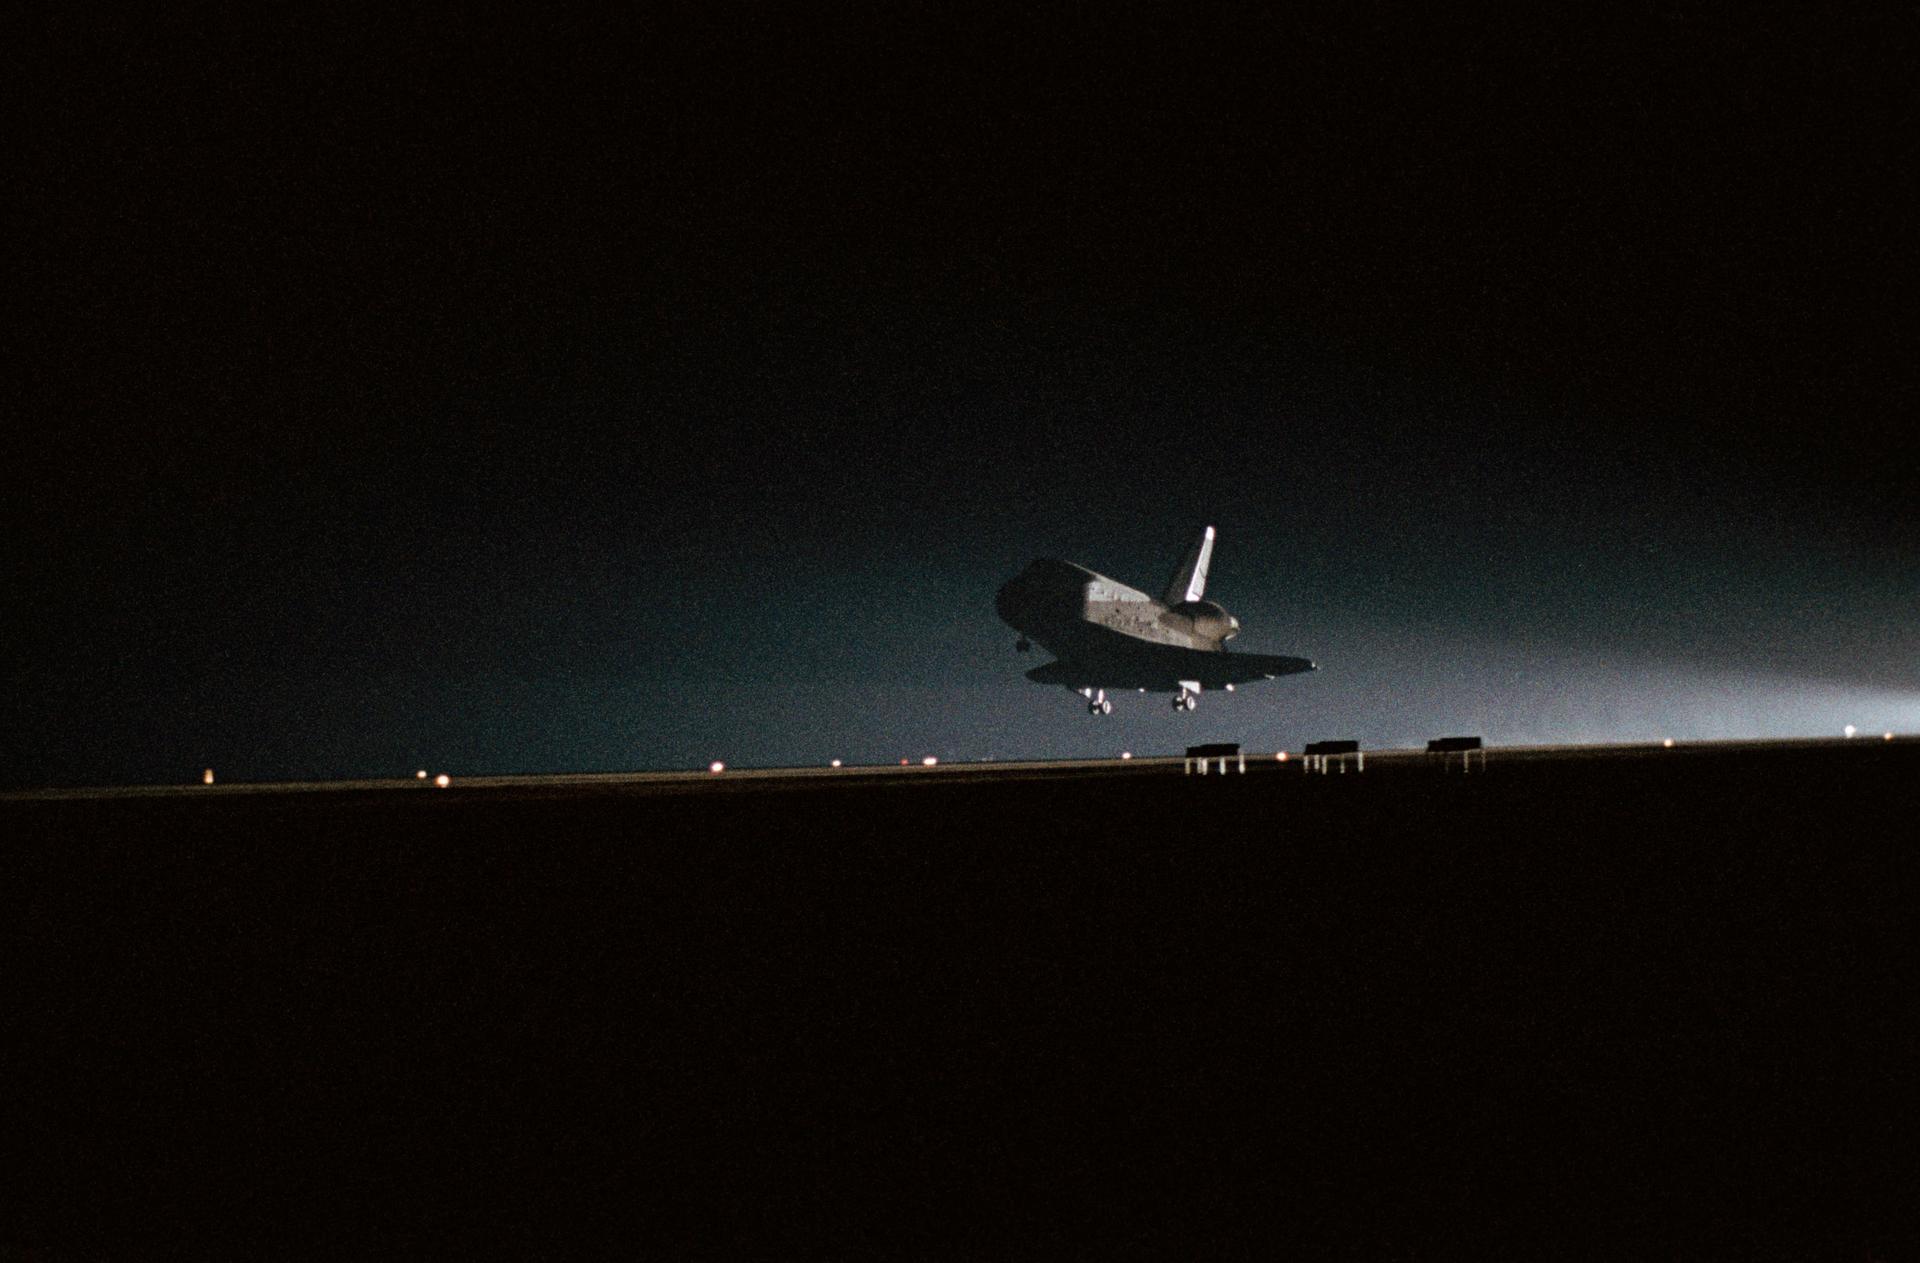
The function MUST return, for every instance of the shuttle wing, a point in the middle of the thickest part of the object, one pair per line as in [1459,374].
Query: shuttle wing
[1163,668]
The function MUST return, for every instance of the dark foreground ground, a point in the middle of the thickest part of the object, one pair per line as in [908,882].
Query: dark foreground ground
[1606,1006]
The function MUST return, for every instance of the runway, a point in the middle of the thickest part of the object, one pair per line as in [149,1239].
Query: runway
[1636,1001]
[1260,763]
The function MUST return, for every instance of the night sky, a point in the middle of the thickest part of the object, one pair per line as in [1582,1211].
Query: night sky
[525,394]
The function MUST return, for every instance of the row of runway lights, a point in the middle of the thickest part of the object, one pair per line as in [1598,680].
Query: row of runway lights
[718,766]
[442,780]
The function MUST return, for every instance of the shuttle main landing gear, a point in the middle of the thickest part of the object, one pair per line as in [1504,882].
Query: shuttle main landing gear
[1097,703]
[1183,700]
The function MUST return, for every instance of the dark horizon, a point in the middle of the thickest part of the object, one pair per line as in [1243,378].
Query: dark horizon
[534,397]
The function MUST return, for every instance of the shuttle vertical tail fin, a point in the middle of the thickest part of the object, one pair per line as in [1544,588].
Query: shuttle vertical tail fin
[1190,580]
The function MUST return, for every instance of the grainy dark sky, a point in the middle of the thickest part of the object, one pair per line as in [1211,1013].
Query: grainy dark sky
[531,393]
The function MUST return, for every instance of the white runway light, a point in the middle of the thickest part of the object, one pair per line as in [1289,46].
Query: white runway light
[929,761]
[716,767]
[1848,731]
[835,763]
[421,775]
[443,780]
[206,778]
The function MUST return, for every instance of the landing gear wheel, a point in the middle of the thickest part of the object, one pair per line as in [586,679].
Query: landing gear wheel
[1106,708]
[1184,702]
